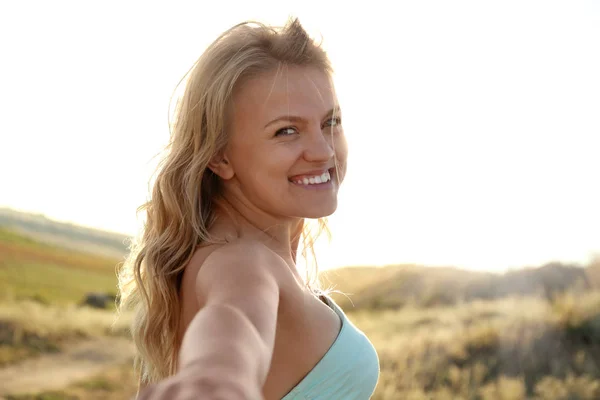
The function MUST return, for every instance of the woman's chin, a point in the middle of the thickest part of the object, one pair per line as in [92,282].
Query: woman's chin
[319,212]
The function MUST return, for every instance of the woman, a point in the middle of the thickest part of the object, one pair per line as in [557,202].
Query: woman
[221,310]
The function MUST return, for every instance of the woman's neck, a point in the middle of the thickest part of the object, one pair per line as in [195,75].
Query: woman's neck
[281,236]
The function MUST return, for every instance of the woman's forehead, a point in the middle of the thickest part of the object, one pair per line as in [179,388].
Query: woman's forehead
[293,90]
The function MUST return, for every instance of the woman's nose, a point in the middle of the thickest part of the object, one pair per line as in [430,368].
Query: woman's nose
[319,147]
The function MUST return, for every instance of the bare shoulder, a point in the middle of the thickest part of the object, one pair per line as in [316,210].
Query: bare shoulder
[241,277]
[243,265]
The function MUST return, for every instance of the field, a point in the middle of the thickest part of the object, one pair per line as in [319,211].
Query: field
[41,288]
[48,274]
[440,333]
[505,349]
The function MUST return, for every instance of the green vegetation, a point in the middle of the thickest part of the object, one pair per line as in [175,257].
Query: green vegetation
[48,274]
[49,283]
[40,287]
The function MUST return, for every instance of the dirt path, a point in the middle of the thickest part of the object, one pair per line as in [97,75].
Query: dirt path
[55,371]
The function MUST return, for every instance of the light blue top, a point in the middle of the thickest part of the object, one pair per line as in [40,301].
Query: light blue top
[348,371]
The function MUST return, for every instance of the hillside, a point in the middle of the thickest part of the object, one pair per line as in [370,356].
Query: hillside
[54,246]
[51,274]
[398,286]
[66,235]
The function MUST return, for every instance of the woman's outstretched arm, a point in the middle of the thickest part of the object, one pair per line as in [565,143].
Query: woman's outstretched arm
[227,349]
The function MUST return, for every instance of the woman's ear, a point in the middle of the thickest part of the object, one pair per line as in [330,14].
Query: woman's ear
[221,167]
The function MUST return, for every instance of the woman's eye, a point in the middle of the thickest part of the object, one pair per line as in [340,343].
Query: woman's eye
[336,121]
[286,131]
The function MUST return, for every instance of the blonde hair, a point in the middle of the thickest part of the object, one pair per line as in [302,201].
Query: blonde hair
[181,208]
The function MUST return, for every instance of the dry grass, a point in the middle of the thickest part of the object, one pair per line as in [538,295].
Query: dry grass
[505,349]
[509,349]
[115,383]
[441,344]
[63,320]
[28,328]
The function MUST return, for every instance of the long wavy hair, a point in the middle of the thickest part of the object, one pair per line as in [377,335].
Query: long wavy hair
[185,191]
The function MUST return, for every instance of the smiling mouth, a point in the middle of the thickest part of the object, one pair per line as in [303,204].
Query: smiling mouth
[314,180]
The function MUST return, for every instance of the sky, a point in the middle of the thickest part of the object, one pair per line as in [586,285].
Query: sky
[474,127]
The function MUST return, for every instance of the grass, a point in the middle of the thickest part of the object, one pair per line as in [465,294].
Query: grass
[32,270]
[399,286]
[52,395]
[50,283]
[60,320]
[40,286]
[434,343]
[509,349]
[28,329]
[519,348]
[117,382]
[15,247]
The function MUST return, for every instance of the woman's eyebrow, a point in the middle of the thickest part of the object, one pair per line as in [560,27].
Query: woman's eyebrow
[293,118]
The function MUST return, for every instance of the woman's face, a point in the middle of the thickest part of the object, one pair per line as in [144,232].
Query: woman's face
[287,150]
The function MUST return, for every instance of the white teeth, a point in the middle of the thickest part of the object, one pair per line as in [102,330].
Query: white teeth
[325,177]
